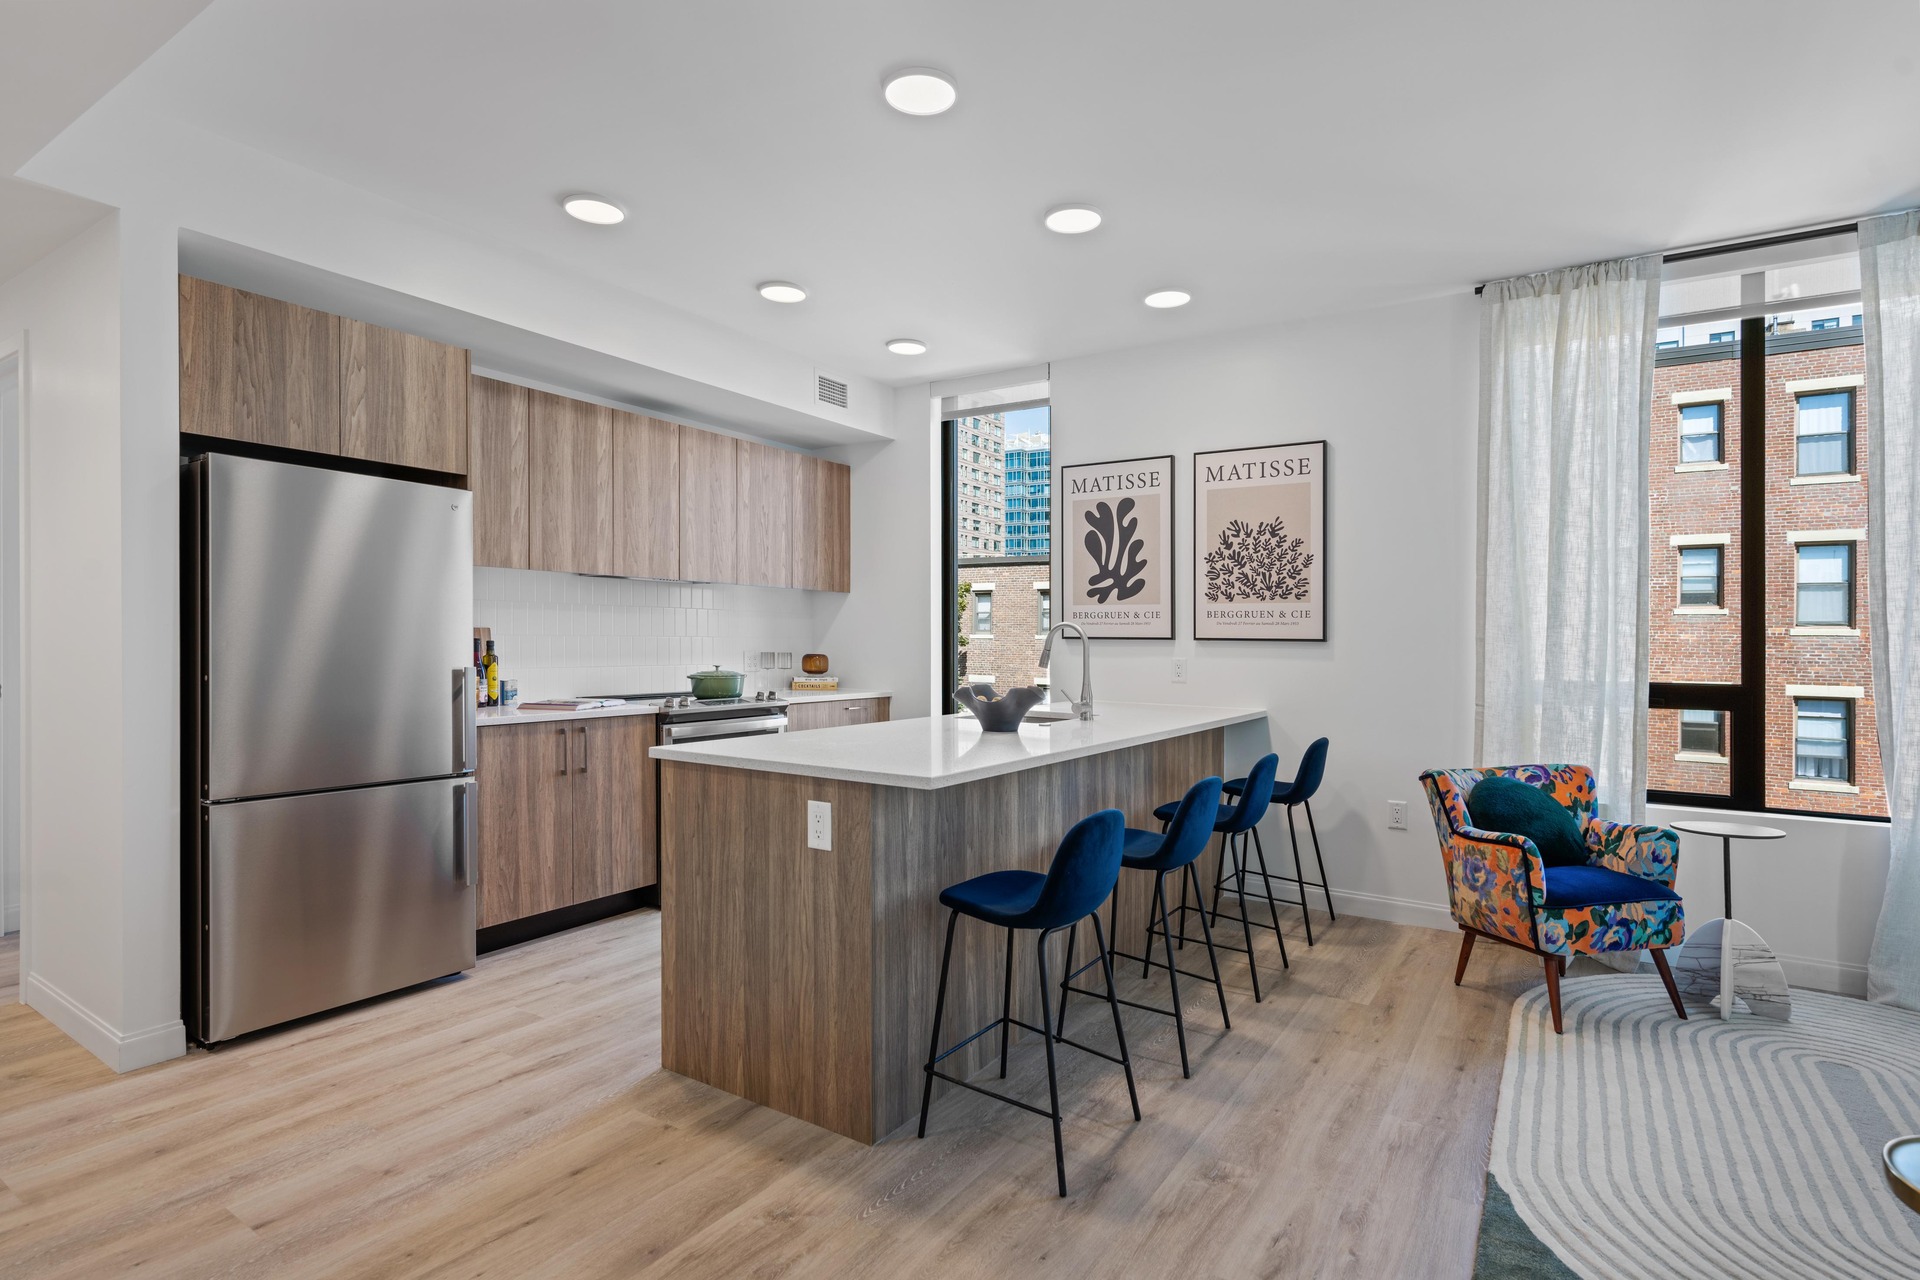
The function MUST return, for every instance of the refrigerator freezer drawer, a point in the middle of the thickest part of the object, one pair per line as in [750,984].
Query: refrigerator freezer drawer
[316,901]
[339,609]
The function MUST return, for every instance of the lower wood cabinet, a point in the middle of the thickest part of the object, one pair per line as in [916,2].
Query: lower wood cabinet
[823,715]
[566,814]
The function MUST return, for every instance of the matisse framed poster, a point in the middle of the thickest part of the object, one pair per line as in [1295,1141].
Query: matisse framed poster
[1118,539]
[1260,543]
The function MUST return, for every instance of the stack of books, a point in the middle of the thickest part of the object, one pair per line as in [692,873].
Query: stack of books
[816,684]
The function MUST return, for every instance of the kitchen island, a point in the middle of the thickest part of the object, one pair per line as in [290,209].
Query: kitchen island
[803,979]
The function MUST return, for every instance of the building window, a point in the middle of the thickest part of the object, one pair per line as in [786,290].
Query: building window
[1827,322]
[1823,584]
[1725,335]
[982,613]
[1703,732]
[1700,575]
[1669,345]
[1823,426]
[1823,739]
[1046,609]
[1700,432]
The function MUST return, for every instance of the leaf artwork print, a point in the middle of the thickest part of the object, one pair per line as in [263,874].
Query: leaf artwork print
[1258,562]
[1120,568]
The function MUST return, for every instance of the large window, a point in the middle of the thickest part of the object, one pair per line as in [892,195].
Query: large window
[1760,683]
[998,499]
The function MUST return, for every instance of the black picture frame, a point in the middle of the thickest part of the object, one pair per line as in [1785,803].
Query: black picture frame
[1322,558]
[1063,601]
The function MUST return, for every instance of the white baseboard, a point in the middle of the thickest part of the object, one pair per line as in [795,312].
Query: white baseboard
[121,1051]
[1836,976]
[1374,906]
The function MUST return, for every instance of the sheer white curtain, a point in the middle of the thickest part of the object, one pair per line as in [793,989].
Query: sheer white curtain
[1890,292]
[1566,388]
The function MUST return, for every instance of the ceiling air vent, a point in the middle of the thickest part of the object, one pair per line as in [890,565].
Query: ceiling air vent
[829,390]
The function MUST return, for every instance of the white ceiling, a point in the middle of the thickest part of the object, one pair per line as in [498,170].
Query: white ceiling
[57,57]
[1278,160]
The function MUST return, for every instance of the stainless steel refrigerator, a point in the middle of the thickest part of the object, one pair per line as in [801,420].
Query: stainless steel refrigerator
[329,712]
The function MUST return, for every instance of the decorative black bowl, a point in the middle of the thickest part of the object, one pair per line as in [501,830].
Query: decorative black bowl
[995,712]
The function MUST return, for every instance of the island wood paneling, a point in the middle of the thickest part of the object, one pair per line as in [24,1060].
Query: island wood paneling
[258,369]
[613,814]
[763,993]
[708,495]
[821,519]
[646,496]
[403,398]
[570,484]
[497,472]
[525,823]
[763,498]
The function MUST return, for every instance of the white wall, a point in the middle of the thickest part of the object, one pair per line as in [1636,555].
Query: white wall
[10,798]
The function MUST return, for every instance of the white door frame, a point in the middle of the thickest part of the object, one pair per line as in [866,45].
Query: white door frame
[13,655]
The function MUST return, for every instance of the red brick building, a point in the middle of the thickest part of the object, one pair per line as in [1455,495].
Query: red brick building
[1821,737]
[1006,619]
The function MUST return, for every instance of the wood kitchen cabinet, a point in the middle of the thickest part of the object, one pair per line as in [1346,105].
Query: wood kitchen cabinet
[566,814]
[258,369]
[569,484]
[762,506]
[708,497]
[646,496]
[821,714]
[403,399]
[821,520]
[497,472]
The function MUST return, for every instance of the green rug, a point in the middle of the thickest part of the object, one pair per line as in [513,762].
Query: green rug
[1508,1250]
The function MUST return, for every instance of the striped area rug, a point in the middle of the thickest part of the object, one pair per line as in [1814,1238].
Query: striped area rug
[1639,1145]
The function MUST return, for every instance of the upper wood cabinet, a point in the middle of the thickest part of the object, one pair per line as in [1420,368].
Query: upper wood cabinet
[763,501]
[497,472]
[646,497]
[569,484]
[708,498]
[822,524]
[403,399]
[258,369]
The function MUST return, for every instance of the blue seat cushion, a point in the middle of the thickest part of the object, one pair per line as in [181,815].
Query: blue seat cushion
[1517,808]
[1281,790]
[1591,886]
[998,897]
[1225,819]
[1141,849]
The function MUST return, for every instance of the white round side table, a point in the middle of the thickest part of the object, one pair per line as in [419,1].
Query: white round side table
[1727,953]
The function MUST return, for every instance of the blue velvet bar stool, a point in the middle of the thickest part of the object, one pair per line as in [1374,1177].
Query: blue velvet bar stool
[1233,824]
[1299,794]
[1172,852]
[1085,869]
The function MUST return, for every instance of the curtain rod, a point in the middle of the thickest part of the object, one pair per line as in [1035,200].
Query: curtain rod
[1736,246]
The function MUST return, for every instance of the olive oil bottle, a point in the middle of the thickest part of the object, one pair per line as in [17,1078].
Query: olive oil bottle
[493,676]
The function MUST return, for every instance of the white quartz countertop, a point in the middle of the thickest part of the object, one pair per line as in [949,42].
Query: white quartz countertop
[947,750]
[496,715]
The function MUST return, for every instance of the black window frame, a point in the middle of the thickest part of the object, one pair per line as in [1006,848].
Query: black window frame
[1850,582]
[1719,577]
[1719,408]
[1849,434]
[1848,709]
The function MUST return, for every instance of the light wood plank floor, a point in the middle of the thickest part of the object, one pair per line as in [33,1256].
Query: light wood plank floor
[514,1122]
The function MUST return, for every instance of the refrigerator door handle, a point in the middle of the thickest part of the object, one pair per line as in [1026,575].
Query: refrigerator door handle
[465,721]
[465,854]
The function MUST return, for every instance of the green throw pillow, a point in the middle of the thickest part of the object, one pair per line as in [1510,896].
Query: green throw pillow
[1510,805]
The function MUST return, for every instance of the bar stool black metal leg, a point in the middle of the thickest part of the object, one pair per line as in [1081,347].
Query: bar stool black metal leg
[1183,914]
[1272,911]
[1206,935]
[1173,974]
[939,1008]
[1240,891]
[1066,976]
[1113,1002]
[1006,1006]
[1299,881]
[1053,1078]
[1325,888]
[1220,875]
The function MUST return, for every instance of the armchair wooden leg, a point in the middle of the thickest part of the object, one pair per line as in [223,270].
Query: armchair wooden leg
[1466,949]
[1666,976]
[1553,991]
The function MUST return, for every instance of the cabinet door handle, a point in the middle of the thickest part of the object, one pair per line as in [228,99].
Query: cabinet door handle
[583,748]
[566,752]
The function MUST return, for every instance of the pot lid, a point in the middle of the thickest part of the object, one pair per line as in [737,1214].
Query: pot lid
[716,671]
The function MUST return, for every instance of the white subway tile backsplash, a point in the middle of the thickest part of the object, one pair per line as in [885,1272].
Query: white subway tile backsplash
[562,635]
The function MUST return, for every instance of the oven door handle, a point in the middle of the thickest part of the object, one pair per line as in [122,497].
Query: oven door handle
[738,727]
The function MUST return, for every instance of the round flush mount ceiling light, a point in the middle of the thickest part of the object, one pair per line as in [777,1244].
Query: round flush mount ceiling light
[1072,219]
[1165,298]
[919,91]
[598,210]
[781,291]
[907,346]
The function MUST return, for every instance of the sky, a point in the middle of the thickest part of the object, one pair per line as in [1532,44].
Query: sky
[1023,420]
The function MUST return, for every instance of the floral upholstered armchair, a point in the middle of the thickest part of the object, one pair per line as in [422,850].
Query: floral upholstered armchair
[1622,900]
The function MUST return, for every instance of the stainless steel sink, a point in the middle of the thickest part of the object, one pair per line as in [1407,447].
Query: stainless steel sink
[1049,713]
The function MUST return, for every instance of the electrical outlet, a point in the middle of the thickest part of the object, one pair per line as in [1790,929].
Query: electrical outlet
[1397,815]
[819,825]
[1179,670]
[750,662]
